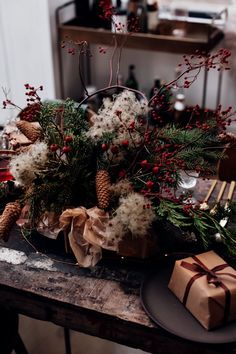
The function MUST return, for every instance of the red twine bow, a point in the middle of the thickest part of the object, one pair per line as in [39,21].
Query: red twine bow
[212,278]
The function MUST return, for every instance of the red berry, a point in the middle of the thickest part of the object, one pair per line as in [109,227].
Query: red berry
[125,143]
[144,163]
[104,147]
[149,184]
[68,139]
[155,169]
[53,147]
[66,149]
[114,149]
[122,174]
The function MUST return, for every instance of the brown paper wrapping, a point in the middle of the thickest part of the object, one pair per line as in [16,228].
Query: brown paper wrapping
[205,301]
[49,225]
[87,234]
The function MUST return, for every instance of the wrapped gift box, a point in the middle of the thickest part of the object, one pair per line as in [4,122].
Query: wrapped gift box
[206,285]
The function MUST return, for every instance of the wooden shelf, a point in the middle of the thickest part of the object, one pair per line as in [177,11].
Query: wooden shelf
[202,37]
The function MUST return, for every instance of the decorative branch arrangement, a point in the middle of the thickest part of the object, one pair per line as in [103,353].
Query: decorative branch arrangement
[116,176]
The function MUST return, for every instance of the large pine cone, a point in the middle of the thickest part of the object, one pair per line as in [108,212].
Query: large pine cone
[29,130]
[103,185]
[9,216]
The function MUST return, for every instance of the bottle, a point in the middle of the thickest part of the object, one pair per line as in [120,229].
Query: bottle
[132,15]
[152,16]
[142,16]
[83,12]
[179,108]
[155,87]
[132,82]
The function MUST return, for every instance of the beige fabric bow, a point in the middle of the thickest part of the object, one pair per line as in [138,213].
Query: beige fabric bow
[87,235]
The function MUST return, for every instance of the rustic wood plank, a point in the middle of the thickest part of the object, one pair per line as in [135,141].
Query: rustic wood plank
[97,307]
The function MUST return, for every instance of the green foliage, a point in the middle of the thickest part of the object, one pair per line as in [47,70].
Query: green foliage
[58,119]
[68,179]
[196,147]
[173,212]
[202,223]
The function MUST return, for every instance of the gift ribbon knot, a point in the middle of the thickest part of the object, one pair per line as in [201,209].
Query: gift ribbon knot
[212,277]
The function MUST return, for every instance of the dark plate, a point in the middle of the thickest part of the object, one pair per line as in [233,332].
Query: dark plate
[167,311]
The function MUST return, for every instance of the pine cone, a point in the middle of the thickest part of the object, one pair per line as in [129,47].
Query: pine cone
[29,130]
[9,216]
[103,185]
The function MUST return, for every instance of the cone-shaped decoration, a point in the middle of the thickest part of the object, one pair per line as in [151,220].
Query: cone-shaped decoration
[103,185]
[9,216]
[30,131]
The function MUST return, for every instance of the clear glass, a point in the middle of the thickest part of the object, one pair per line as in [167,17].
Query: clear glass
[187,185]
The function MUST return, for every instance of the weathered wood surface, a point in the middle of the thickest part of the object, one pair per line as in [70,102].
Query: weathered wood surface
[103,301]
[94,306]
[83,300]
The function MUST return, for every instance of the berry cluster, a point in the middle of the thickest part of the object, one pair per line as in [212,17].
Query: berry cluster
[107,9]
[31,111]
[59,151]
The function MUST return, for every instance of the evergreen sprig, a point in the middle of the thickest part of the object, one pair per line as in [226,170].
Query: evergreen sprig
[68,179]
[202,223]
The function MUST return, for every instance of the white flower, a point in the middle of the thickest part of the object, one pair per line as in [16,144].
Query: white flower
[116,116]
[134,215]
[25,166]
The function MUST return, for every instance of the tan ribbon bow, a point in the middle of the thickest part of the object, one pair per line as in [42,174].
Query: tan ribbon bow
[87,233]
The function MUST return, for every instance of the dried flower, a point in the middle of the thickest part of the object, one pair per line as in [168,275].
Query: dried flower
[132,216]
[25,166]
[116,117]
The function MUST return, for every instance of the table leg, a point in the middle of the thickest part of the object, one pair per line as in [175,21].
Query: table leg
[19,346]
[9,337]
[67,340]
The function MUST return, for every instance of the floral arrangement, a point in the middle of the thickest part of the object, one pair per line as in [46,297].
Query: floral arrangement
[114,177]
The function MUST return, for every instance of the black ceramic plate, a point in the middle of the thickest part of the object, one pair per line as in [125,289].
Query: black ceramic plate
[168,312]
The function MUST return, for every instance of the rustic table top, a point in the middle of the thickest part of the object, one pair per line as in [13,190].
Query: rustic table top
[103,301]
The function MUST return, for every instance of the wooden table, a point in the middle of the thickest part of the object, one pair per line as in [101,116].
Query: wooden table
[103,301]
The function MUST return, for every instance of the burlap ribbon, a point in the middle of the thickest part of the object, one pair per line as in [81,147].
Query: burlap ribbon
[87,234]
[213,277]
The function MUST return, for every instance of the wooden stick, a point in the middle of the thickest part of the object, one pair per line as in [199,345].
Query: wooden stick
[230,193]
[213,184]
[219,196]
